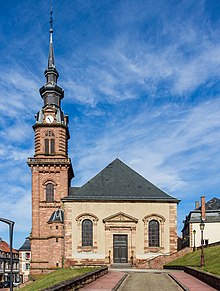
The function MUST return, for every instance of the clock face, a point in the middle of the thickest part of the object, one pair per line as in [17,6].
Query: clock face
[49,119]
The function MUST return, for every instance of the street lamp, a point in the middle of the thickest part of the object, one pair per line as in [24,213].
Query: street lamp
[194,238]
[11,226]
[202,261]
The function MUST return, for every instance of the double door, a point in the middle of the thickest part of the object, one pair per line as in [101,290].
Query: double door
[120,248]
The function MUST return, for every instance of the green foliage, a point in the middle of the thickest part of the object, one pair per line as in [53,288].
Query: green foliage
[60,275]
[212,260]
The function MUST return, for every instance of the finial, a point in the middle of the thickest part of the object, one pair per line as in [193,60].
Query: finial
[51,18]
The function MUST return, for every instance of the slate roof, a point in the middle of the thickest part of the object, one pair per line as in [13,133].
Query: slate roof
[212,213]
[57,216]
[213,204]
[118,182]
[26,245]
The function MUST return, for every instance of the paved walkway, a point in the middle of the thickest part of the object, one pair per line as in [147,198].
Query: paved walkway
[105,283]
[147,280]
[192,283]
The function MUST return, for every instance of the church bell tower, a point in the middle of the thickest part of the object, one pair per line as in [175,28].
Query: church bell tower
[51,173]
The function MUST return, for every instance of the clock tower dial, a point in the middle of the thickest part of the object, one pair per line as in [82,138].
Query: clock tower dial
[49,119]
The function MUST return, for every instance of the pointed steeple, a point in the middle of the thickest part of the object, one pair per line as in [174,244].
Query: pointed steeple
[51,63]
[51,73]
[51,92]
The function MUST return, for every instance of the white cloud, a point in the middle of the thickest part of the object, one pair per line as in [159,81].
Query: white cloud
[163,148]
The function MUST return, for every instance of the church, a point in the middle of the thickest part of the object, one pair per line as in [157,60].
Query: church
[118,217]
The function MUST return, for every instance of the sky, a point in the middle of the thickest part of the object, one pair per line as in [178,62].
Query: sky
[141,81]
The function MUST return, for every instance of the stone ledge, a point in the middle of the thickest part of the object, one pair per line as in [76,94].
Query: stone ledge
[208,278]
[77,283]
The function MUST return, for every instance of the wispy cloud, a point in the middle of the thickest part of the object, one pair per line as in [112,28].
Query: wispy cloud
[167,147]
[141,82]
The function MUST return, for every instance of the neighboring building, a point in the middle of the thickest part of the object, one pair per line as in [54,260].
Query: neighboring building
[208,212]
[116,217]
[24,259]
[5,267]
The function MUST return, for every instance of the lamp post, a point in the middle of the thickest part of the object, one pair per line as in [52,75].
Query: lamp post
[202,261]
[194,239]
[11,226]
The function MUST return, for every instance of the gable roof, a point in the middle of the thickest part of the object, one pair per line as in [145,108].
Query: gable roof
[118,182]
[4,247]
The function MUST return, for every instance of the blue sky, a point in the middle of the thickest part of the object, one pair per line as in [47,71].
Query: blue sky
[141,81]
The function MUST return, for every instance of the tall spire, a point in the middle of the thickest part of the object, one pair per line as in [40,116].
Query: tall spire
[51,92]
[51,63]
[51,73]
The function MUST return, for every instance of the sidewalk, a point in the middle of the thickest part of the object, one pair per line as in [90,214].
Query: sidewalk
[190,282]
[113,277]
[105,283]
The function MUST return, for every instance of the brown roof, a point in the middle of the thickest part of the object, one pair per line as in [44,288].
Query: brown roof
[4,247]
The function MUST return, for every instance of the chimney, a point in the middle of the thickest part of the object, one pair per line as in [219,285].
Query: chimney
[203,207]
[196,204]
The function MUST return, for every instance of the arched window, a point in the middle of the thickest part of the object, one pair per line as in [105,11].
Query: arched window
[87,233]
[49,192]
[49,142]
[154,233]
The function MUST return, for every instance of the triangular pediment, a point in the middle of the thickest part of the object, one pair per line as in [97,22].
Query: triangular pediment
[120,217]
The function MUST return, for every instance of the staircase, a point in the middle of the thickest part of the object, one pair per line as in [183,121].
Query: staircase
[161,260]
[120,266]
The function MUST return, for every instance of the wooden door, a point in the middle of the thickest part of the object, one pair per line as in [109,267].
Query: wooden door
[120,248]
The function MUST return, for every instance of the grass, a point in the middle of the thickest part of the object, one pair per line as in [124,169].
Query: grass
[212,260]
[48,280]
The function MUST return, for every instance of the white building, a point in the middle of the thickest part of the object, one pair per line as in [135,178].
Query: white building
[210,214]
[25,258]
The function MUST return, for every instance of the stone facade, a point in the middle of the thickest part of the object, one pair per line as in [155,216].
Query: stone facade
[112,218]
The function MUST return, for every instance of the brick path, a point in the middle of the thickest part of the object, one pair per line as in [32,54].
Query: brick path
[105,283]
[192,283]
[147,280]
